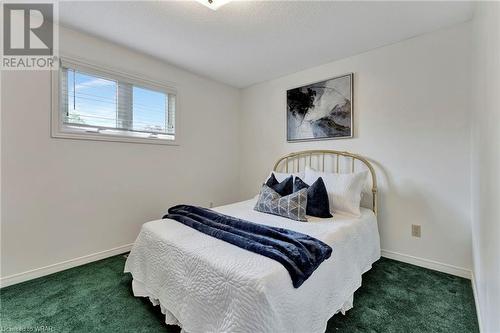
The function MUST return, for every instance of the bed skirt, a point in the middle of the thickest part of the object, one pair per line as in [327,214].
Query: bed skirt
[140,290]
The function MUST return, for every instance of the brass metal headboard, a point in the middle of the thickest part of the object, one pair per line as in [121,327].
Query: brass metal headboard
[319,156]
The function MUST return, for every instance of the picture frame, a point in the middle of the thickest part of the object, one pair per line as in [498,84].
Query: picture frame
[322,110]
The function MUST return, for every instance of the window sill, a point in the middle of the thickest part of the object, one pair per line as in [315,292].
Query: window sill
[112,138]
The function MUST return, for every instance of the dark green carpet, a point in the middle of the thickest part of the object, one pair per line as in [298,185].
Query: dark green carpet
[395,297]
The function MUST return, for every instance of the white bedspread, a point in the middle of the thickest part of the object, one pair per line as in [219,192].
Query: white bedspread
[204,284]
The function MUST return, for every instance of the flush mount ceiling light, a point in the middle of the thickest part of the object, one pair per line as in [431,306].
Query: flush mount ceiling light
[213,4]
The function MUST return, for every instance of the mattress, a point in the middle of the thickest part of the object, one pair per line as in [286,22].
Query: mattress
[204,284]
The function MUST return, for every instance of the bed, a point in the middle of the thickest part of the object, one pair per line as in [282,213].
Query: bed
[203,284]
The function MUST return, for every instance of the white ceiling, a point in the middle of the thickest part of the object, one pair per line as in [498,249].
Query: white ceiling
[246,42]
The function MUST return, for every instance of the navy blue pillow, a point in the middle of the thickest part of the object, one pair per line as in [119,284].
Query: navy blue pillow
[284,188]
[317,197]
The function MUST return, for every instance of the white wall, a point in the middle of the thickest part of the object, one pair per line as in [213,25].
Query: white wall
[412,105]
[486,164]
[412,118]
[62,199]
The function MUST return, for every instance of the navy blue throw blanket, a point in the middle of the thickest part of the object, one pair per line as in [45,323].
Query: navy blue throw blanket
[300,254]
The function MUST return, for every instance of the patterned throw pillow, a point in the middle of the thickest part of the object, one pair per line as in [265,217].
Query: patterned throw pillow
[292,206]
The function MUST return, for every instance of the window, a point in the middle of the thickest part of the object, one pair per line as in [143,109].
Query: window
[98,104]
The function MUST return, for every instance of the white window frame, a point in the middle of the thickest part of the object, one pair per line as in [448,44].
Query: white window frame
[59,130]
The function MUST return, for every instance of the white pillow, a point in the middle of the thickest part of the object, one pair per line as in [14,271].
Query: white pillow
[281,176]
[344,189]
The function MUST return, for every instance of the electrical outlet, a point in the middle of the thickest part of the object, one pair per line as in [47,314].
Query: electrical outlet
[416,230]
[210,204]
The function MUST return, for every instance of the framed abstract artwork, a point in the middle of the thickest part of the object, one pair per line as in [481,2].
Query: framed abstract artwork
[321,110]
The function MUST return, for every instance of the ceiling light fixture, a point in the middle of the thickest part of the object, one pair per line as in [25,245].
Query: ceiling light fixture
[213,4]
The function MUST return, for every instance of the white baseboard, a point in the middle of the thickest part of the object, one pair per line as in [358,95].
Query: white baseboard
[42,271]
[430,264]
[476,301]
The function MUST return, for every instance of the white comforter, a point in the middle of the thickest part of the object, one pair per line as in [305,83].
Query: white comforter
[204,284]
